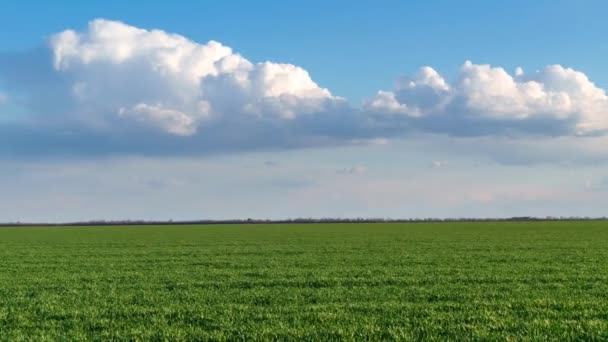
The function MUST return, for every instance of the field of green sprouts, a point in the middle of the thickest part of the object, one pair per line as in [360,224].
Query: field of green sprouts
[316,282]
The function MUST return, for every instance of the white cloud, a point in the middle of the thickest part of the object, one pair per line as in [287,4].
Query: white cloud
[354,170]
[271,163]
[436,164]
[175,84]
[414,97]
[556,96]
[173,121]
[117,89]
[386,101]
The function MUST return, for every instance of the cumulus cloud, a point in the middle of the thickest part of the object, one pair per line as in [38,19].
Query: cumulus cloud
[117,89]
[177,85]
[173,121]
[488,100]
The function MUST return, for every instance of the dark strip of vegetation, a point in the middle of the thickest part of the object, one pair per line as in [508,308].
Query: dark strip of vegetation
[303,220]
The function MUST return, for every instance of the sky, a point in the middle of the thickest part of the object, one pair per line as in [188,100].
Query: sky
[267,109]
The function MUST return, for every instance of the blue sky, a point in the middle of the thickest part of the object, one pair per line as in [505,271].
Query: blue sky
[395,109]
[335,40]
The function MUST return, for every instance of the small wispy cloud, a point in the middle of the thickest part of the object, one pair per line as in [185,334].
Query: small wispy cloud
[271,163]
[354,170]
[439,164]
[156,184]
[596,185]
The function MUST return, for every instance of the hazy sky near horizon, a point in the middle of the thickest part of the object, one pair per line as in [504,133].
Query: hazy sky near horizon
[268,109]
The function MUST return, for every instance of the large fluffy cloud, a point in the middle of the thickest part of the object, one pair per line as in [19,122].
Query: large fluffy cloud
[485,99]
[174,84]
[117,89]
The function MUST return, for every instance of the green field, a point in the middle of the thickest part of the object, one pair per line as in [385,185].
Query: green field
[441,281]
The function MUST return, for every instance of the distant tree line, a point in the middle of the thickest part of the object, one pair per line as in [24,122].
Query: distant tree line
[304,221]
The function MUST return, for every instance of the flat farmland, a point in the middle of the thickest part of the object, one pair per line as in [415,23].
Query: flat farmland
[388,281]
